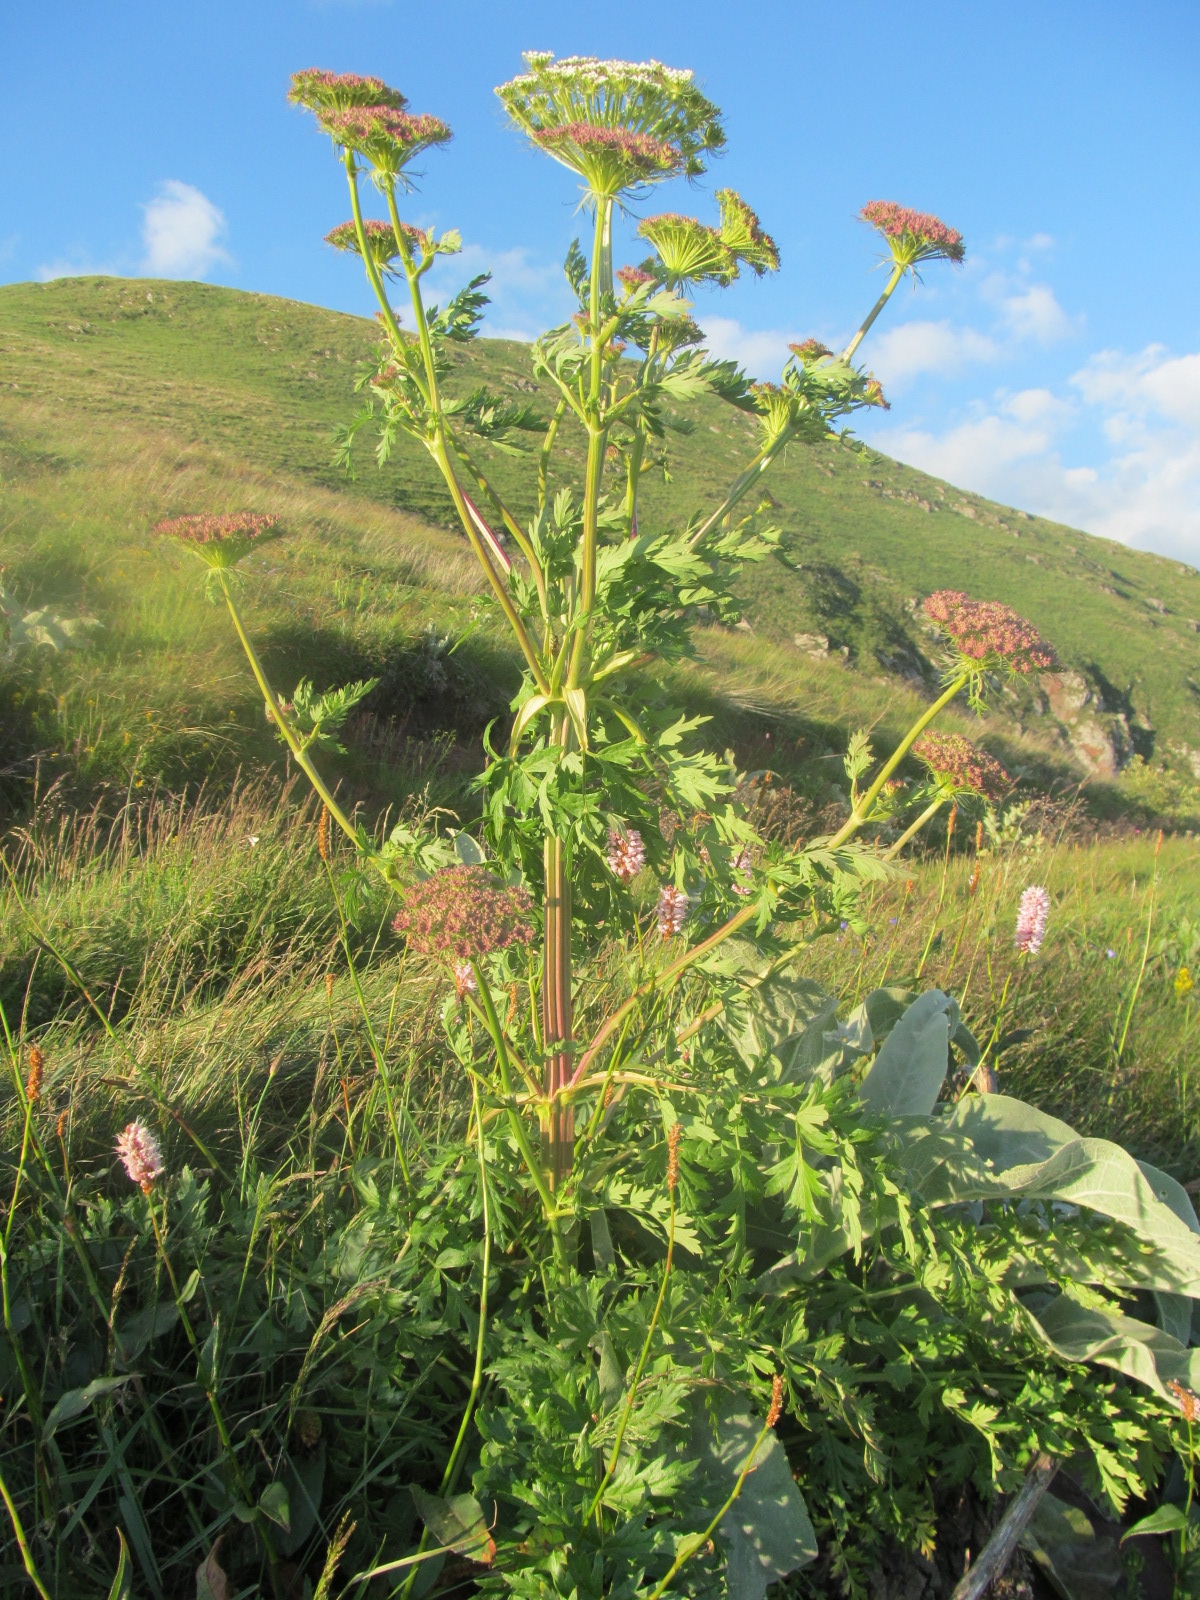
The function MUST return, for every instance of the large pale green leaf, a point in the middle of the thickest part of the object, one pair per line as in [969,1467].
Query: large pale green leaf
[457,1524]
[76,1401]
[1138,1349]
[767,1531]
[906,1077]
[783,1016]
[1174,1310]
[1080,1565]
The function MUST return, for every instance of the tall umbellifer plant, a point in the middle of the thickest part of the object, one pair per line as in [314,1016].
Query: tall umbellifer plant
[666,969]
[589,593]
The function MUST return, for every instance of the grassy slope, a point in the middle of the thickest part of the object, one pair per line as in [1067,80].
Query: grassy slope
[124,401]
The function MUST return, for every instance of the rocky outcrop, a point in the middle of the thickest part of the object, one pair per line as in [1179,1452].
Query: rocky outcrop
[1099,737]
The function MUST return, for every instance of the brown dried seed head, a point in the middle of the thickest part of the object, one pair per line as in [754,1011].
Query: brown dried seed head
[323,835]
[37,1069]
[776,1411]
[329,986]
[976,874]
[673,1137]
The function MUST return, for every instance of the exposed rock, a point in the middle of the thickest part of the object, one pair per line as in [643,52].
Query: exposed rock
[1099,738]
[815,644]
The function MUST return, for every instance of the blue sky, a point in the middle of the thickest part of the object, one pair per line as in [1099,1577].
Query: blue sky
[1058,370]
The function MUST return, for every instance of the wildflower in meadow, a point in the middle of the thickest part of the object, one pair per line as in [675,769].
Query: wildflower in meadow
[1183,987]
[609,159]
[673,907]
[464,979]
[673,1137]
[140,1155]
[989,635]
[464,912]
[1032,911]
[913,236]
[959,765]
[691,252]
[387,138]
[776,1407]
[626,853]
[634,278]
[1186,1400]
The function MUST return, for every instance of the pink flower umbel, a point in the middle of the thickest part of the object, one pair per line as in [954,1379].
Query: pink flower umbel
[626,853]
[961,765]
[319,90]
[989,633]
[673,907]
[913,235]
[217,530]
[140,1155]
[1032,911]
[464,912]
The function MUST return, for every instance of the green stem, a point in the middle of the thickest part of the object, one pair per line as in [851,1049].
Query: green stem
[862,811]
[214,1404]
[520,1133]
[377,1054]
[741,484]
[290,735]
[910,832]
[544,454]
[658,981]
[368,259]
[897,273]
[688,1550]
[1137,987]
[22,1542]
[631,1397]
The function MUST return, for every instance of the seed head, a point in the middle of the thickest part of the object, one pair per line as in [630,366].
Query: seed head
[642,98]
[323,835]
[1184,985]
[317,90]
[674,1135]
[388,138]
[1032,911]
[609,159]
[37,1068]
[139,1152]
[776,1410]
[673,907]
[1187,1401]
[961,765]
[464,912]
[913,236]
[626,853]
[328,986]
[811,351]
[989,634]
[241,525]
[634,277]
[976,874]
[380,237]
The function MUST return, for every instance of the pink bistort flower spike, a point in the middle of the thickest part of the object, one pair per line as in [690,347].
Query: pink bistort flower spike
[1032,911]
[673,907]
[626,853]
[464,979]
[140,1155]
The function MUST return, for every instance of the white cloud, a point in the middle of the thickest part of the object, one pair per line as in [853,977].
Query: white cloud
[1147,490]
[526,295]
[939,347]
[1035,314]
[181,233]
[63,267]
[761,351]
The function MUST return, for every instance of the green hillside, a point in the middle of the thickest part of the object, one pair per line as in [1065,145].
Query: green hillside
[123,401]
